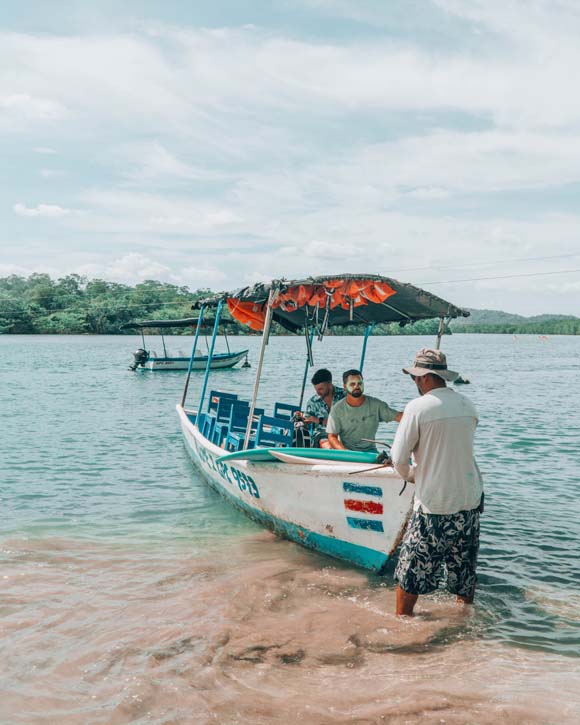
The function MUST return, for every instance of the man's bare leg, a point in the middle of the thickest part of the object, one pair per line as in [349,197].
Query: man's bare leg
[465,600]
[405,602]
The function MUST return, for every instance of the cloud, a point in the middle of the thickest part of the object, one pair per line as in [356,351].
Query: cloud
[150,213]
[428,193]
[51,211]
[22,106]
[196,277]
[129,269]
[268,152]
[6,270]
[136,267]
[152,162]
[194,79]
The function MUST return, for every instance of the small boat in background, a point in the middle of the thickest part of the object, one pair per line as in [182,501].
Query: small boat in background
[150,360]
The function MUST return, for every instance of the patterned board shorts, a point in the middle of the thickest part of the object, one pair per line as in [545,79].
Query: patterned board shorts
[434,540]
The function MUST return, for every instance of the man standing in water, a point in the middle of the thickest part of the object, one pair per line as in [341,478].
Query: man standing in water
[438,429]
[357,417]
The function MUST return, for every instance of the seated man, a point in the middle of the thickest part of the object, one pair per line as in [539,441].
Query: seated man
[357,416]
[319,405]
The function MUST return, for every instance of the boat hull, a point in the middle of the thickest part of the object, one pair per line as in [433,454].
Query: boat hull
[326,506]
[219,362]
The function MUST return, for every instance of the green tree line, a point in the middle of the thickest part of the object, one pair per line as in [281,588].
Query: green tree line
[76,305]
[570,326]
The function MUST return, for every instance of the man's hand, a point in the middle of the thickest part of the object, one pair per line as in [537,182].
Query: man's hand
[335,442]
[384,458]
[307,419]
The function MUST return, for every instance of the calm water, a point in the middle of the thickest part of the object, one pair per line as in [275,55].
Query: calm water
[131,592]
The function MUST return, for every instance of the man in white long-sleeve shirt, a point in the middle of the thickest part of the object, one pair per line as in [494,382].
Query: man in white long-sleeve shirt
[437,429]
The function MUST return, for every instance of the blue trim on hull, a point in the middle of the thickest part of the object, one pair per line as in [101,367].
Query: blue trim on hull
[369,524]
[357,488]
[338,549]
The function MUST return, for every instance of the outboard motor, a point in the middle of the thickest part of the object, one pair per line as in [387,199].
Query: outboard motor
[141,356]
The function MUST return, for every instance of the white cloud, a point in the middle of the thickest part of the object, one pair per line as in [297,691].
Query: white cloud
[196,277]
[9,269]
[44,150]
[135,81]
[116,211]
[136,267]
[129,269]
[23,106]
[428,193]
[152,162]
[51,211]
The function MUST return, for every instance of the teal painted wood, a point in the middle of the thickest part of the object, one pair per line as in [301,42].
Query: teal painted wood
[263,455]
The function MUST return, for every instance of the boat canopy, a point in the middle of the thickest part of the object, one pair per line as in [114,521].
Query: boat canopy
[346,299]
[186,322]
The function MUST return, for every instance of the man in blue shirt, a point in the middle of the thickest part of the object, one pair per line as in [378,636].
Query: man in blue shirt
[319,405]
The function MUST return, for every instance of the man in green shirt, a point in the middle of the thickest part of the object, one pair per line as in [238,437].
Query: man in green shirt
[357,416]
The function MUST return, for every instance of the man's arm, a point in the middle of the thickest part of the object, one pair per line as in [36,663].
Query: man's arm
[406,439]
[310,415]
[333,430]
[388,414]
[335,442]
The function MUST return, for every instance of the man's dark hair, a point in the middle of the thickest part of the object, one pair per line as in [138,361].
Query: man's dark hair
[348,373]
[321,376]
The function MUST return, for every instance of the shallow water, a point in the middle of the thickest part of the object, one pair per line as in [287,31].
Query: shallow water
[132,592]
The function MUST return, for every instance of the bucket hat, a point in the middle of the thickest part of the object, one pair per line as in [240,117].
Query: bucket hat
[432,361]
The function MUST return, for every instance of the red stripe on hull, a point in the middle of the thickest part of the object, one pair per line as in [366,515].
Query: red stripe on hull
[365,507]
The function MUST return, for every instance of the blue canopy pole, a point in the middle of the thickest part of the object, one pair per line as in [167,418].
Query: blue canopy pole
[197,329]
[368,331]
[210,355]
[306,370]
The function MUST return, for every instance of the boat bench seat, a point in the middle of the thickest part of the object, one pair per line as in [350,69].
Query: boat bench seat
[236,432]
[226,420]
[270,432]
[285,410]
[236,422]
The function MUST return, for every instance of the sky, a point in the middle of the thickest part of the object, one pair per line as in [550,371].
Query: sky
[219,144]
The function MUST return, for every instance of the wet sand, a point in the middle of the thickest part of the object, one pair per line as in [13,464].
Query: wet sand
[263,632]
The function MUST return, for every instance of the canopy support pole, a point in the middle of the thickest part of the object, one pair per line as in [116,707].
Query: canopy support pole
[265,339]
[227,341]
[308,363]
[210,356]
[143,339]
[440,332]
[369,328]
[197,329]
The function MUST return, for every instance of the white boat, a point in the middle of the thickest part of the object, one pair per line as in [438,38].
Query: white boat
[145,359]
[340,503]
[218,362]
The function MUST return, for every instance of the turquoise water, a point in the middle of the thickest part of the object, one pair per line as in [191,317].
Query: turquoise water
[92,460]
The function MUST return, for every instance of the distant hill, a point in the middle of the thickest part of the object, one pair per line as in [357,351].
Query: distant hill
[495,321]
[497,317]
